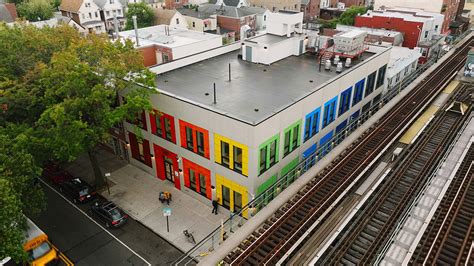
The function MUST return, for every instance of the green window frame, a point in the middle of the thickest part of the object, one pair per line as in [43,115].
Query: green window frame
[268,153]
[292,138]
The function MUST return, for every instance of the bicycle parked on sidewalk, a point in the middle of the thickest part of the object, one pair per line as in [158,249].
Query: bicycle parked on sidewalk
[189,236]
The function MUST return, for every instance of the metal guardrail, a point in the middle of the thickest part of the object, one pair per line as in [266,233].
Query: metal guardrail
[236,220]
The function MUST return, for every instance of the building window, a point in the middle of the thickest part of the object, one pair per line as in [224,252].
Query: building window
[413,65]
[406,71]
[329,112]
[140,149]
[381,76]
[95,14]
[268,153]
[189,139]
[264,17]
[88,4]
[194,138]
[358,92]
[225,154]
[177,21]
[119,11]
[194,24]
[197,178]
[162,125]
[231,154]
[345,101]
[140,120]
[397,78]
[90,15]
[238,159]
[370,83]
[311,127]
[292,138]
[200,142]
[426,34]
[84,16]
[192,179]
[107,13]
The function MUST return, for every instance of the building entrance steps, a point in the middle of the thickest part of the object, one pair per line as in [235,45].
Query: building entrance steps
[137,193]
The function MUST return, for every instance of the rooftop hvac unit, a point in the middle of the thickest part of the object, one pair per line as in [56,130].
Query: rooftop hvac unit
[339,67]
[336,60]
[348,62]
[327,65]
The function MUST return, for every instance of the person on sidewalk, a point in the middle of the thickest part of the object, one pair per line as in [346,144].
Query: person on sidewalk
[215,204]
[215,200]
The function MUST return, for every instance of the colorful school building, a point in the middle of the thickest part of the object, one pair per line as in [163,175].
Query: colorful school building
[238,126]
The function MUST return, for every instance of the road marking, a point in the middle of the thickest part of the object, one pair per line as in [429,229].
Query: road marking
[90,218]
[62,256]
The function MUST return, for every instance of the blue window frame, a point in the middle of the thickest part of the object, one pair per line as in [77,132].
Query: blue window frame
[311,126]
[324,143]
[358,92]
[329,111]
[345,101]
[341,126]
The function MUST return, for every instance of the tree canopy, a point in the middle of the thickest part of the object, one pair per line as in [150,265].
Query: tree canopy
[36,10]
[59,92]
[346,18]
[144,13]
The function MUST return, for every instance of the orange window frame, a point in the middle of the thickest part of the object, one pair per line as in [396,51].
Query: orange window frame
[187,164]
[195,129]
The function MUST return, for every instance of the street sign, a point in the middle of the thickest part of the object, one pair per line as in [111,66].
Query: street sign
[167,211]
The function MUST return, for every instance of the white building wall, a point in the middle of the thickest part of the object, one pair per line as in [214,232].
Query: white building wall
[178,21]
[194,48]
[90,12]
[428,5]
[274,52]
[199,23]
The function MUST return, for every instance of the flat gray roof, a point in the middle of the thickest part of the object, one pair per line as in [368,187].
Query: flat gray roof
[269,89]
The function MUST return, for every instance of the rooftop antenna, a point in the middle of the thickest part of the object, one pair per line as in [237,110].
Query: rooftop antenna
[229,73]
[134,18]
[215,93]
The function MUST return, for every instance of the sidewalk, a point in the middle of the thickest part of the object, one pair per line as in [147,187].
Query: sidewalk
[136,192]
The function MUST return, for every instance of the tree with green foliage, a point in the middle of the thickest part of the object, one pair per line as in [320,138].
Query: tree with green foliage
[66,90]
[36,10]
[348,17]
[20,192]
[144,13]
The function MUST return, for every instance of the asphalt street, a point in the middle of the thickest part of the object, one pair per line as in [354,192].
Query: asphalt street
[86,243]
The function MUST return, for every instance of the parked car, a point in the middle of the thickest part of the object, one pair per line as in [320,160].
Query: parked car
[109,213]
[53,172]
[77,189]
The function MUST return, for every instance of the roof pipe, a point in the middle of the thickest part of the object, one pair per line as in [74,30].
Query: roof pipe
[136,29]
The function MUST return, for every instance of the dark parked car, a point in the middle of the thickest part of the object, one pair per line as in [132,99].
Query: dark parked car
[109,213]
[53,172]
[77,189]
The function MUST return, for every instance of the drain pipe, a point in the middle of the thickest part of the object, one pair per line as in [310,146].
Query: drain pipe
[136,29]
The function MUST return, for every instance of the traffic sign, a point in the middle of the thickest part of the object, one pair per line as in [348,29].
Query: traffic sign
[167,211]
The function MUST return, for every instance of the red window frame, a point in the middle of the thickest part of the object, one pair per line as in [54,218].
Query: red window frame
[187,164]
[136,152]
[135,121]
[195,129]
[162,117]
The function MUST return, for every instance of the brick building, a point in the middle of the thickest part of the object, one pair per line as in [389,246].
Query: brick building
[448,8]
[420,28]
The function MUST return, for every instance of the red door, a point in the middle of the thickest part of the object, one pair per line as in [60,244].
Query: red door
[167,165]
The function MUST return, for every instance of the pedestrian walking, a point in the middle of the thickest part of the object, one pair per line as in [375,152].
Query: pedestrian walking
[215,204]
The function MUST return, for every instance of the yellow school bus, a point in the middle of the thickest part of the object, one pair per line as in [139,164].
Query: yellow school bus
[40,251]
